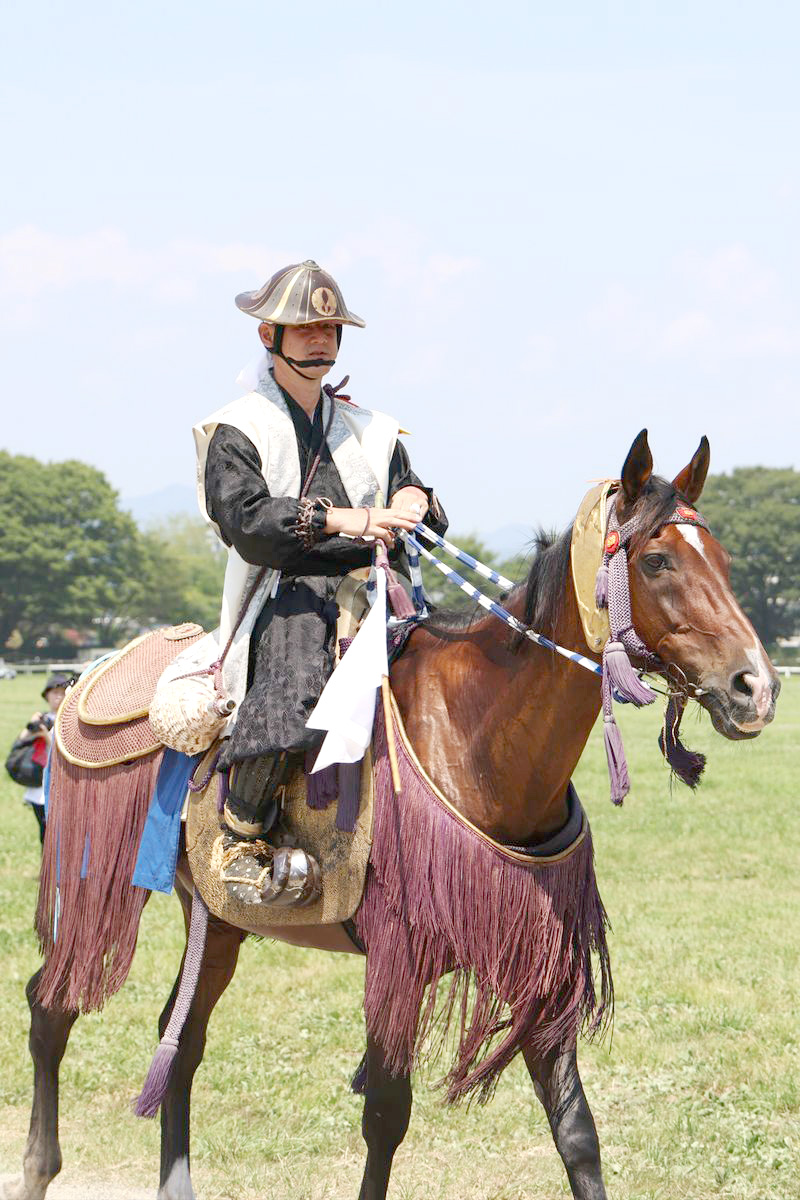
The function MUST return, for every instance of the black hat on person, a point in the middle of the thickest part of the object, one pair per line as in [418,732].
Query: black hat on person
[60,679]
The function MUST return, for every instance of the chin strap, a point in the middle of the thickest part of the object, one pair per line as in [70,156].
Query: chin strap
[296,363]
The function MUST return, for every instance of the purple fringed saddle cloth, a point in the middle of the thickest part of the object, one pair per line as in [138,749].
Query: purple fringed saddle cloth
[522,936]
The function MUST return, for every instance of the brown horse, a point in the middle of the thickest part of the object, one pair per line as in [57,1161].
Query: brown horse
[499,725]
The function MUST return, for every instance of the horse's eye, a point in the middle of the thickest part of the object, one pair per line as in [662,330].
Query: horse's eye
[655,562]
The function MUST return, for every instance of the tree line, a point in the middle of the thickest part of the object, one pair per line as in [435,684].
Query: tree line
[73,563]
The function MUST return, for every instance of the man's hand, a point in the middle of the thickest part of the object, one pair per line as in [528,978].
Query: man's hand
[380,523]
[410,501]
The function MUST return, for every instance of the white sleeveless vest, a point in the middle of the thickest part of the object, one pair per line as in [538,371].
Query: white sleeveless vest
[361,444]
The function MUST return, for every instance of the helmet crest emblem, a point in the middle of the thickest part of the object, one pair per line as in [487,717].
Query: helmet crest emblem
[324,301]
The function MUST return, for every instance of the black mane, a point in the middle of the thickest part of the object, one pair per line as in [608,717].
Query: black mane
[548,577]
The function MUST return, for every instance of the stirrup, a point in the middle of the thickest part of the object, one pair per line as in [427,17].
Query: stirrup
[256,873]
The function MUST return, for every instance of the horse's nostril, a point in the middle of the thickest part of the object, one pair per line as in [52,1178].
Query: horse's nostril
[740,685]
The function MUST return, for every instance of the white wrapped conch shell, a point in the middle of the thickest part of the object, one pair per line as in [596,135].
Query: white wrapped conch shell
[186,713]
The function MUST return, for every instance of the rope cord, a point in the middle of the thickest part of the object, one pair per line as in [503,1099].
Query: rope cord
[462,556]
[492,606]
[190,972]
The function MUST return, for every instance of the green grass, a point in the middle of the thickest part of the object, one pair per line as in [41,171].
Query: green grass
[696,1095]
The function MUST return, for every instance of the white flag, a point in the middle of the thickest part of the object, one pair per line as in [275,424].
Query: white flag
[346,708]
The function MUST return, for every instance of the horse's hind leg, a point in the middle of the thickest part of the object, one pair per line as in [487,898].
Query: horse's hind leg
[49,1035]
[558,1086]
[387,1108]
[219,963]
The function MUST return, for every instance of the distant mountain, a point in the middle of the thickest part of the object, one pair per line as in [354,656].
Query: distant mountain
[177,499]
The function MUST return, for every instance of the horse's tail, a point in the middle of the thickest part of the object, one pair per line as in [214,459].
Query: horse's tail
[89,910]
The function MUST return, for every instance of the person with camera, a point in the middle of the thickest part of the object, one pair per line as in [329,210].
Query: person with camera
[28,757]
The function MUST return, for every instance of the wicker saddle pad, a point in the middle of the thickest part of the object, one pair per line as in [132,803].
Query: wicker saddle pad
[342,856]
[103,719]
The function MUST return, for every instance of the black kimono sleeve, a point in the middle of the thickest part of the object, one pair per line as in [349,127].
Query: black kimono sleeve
[261,527]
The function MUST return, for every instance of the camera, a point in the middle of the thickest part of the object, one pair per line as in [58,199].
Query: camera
[46,721]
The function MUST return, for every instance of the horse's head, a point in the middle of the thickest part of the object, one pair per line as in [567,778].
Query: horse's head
[681,600]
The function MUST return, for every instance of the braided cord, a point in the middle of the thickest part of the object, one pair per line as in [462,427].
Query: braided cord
[195,946]
[465,558]
[492,606]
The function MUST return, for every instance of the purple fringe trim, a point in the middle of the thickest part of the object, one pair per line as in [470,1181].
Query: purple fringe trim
[519,941]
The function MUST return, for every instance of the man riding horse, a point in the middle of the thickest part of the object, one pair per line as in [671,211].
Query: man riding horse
[296,478]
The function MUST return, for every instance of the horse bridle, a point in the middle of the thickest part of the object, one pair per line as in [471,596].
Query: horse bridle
[612,590]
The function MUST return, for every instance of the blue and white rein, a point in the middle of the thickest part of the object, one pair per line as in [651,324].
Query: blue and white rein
[414,549]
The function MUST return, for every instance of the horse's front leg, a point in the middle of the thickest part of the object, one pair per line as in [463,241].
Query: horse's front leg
[558,1086]
[49,1035]
[217,969]
[387,1108]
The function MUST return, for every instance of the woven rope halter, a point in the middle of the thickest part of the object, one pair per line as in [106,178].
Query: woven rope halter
[612,591]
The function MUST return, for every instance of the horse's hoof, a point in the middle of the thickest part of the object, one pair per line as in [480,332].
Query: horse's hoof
[18,1189]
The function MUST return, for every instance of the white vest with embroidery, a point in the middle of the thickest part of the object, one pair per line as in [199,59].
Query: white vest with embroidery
[361,444]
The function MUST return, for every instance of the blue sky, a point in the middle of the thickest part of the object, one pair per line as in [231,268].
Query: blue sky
[561,223]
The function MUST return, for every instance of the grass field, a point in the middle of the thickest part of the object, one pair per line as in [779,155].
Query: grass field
[696,1095]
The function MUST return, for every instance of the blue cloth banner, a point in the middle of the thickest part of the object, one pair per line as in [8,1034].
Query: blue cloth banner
[158,849]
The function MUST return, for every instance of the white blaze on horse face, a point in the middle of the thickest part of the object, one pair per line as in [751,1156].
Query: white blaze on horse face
[691,534]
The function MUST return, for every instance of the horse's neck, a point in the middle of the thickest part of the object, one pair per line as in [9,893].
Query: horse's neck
[499,731]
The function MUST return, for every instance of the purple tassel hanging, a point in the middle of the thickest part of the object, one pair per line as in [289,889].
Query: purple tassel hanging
[617,764]
[622,677]
[601,586]
[688,765]
[401,603]
[152,1094]
[321,788]
[149,1099]
[349,795]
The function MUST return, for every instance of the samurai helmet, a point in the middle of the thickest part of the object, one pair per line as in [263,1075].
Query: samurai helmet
[302,294]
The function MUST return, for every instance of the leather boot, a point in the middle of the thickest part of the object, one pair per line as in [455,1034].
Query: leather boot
[253,871]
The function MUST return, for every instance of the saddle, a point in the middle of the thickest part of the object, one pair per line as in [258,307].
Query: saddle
[342,853]
[103,720]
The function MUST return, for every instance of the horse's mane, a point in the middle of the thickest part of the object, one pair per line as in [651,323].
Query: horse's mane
[548,576]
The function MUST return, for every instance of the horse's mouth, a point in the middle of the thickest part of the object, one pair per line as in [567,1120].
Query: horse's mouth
[721,711]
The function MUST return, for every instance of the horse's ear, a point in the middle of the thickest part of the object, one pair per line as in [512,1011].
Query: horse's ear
[691,479]
[637,469]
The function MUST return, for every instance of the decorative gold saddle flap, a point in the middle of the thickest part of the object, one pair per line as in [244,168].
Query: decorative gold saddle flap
[342,856]
[586,555]
[103,719]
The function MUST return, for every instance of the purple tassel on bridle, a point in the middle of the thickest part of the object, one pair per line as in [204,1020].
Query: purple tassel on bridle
[612,590]
[688,765]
